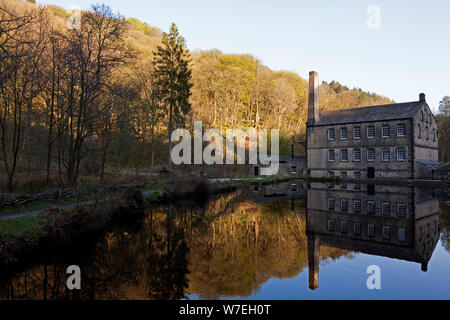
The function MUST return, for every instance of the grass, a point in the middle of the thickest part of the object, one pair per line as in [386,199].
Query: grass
[38,205]
[29,226]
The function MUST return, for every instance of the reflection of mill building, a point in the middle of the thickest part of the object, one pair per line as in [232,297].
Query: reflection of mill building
[392,221]
[391,141]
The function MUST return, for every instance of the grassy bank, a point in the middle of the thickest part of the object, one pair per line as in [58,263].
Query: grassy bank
[21,238]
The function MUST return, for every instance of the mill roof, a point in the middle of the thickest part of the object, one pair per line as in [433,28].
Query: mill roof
[372,113]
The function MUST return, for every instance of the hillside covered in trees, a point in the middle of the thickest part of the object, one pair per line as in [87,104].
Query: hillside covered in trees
[98,99]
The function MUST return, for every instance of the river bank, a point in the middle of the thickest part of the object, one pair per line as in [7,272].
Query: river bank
[25,238]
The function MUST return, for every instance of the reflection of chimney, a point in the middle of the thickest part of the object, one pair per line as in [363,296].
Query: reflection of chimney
[424,266]
[292,150]
[313,261]
[313,98]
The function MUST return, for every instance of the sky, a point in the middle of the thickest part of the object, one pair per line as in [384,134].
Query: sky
[394,48]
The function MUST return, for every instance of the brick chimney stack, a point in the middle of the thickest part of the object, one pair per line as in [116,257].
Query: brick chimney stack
[422,97]
[313,98]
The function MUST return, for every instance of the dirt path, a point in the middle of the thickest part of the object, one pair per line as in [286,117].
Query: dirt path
[66,206]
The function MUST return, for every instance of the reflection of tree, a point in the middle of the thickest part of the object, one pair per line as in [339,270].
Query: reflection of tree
[238,252]
[227,247]
[444,217]
[167,262]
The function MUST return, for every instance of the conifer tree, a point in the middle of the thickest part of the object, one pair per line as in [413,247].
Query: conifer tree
[173,74]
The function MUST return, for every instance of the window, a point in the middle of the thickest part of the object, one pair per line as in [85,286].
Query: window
[401,130]
[331,225]
[419,132]
[344,227]
[386,209]
[357,132]
[357,229]
[331,203]
[385,154]
[357,206]
[357,155]
[294,170]
[434,135]
[344,205]
[428,133]
[371,230]
[293,187]
[344,133]
[344,155]
[330,155]
[421,116]
[370,131]
[330,134]
[331,175]
[401,234]
[371,207]
[401,210]
[344,176]
[386,131]
[386,232]
[401,154]
[370,154]
[357,186]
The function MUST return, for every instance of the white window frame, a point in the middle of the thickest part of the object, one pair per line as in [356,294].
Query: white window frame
[354,132]
[403,239]
[328,134]
[398,153]
[343,201]
[374,154]
[388,131]
[355,201]
[371,137]
[382,154]
[383,204]
[374,207]
[334,155]
[401,125]
[341,130]
[354,153]
[397,209]
[334,204]
[346,151]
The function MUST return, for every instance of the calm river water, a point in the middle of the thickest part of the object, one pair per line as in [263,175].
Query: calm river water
[270,241]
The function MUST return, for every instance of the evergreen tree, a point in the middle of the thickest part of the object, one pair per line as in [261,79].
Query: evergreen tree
[173,74]
[444,106]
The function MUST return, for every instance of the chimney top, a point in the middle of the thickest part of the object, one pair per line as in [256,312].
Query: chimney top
[422,97]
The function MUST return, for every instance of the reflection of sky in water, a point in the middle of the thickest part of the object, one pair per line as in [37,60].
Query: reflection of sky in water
[345,278]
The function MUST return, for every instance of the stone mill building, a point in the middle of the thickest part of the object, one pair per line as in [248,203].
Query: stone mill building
[388,141]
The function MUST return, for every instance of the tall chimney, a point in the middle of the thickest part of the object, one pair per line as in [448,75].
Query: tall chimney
[313,98]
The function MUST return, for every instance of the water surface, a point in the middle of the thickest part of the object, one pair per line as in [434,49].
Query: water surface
[282,241]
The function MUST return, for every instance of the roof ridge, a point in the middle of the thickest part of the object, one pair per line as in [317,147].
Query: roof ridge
[374,106]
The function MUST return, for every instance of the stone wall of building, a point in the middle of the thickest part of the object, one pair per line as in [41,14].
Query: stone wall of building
[319,144]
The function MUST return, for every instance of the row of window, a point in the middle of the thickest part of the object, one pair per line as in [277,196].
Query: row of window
[427,117]
[357,175]
[385,132]
[400,207]
[370,154]
[427,134]
[371,230]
